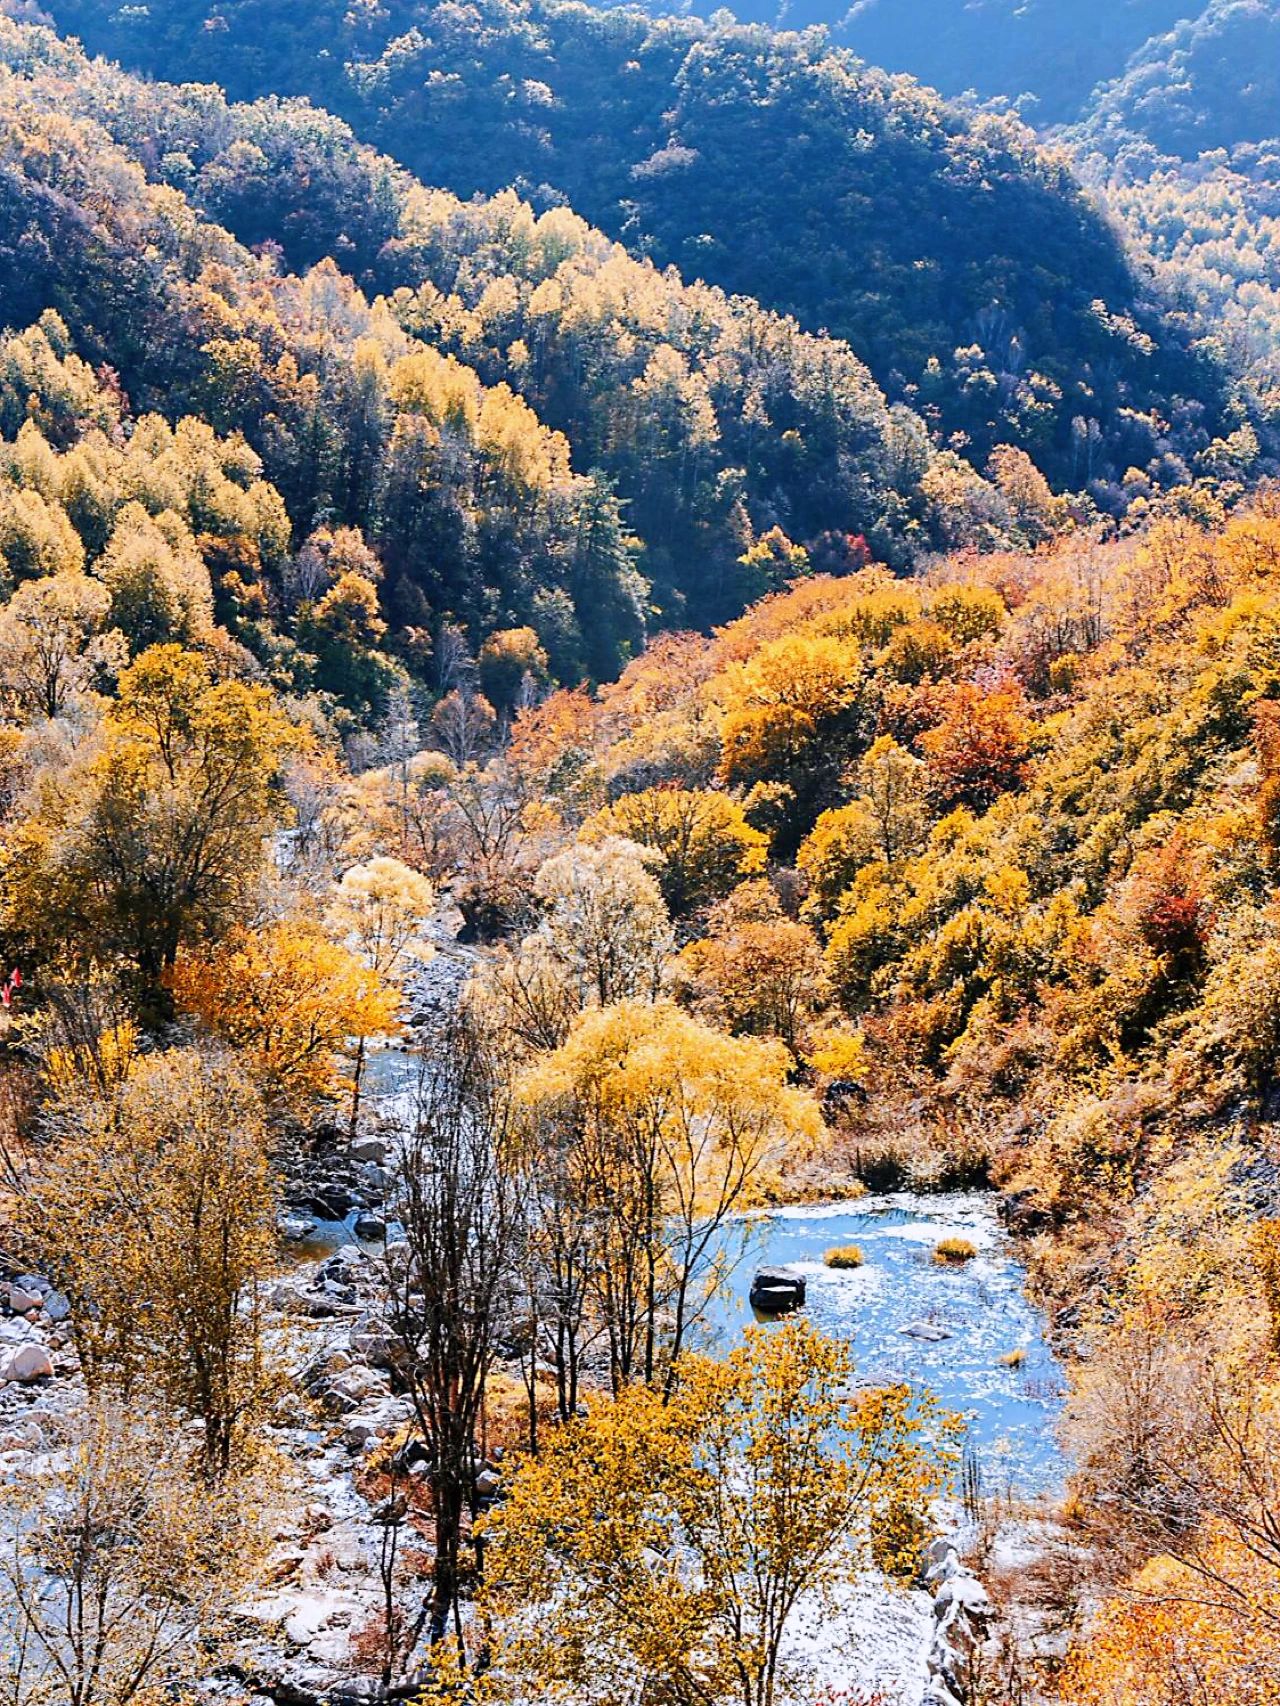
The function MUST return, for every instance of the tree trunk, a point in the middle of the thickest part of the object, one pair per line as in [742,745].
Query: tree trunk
[356,1076]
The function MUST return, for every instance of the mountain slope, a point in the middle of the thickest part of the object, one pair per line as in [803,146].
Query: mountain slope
[1211,82]
[1052,52]
[454,419]
[960,262]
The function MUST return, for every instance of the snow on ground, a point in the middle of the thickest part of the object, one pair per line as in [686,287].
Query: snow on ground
[873,1638]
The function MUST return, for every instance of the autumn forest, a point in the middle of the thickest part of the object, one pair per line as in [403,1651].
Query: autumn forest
[640,854]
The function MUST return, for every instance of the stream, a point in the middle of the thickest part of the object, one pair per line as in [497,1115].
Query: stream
[983,1355]
[993,1367]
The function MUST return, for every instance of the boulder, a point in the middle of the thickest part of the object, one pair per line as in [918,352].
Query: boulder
[947,1566]
[777,1291]
[57,1307]
[292,1300]
[411,1457]
[23,1302]
[361,1430]
[295,1227]
[347,1391]
[376,1422]
[22,1436]
[926,1331]
[942,1662]
[330,1200]
[27,1362]
[370,1226]
[964,1593]
[373,1149]
[314,1375]
[376,1345]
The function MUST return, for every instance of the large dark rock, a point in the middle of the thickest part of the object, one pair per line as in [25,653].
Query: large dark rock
[777,1291]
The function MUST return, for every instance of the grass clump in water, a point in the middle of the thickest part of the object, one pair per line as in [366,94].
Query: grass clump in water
[954,1252]
[844,1256]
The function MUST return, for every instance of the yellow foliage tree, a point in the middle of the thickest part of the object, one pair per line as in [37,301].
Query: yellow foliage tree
[290,1001]
[53,641]
[154,1211]
[160,588]
[1176,1639]
[706,843]
[756,970]
[674,1542]
[790,695]
[121,1572]
[36,536]
[664,1128]
[155,838]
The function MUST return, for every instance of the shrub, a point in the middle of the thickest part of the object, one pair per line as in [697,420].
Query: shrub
[898,1535]
[952,1252]
[844,1256]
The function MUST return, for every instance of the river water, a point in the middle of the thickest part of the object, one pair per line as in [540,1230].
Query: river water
[1010,1407]
[1010,1404]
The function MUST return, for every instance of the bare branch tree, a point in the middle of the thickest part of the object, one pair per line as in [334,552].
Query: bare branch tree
[451,1285]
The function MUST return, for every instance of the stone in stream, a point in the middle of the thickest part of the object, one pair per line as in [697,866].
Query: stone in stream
[331,1200]
[777,1291]
[928,1332]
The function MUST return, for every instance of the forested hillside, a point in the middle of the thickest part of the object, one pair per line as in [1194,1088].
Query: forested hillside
[962,264]
[1049,53]
[1211,82]
[711,425]
[1052,53]
[1184,147]
[639,862]
[1030,806]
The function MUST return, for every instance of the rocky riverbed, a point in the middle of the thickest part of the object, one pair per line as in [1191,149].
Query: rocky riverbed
[306,1630]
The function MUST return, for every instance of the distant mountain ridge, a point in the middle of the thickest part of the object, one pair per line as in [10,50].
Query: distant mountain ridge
[961,262]
[1212,82]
